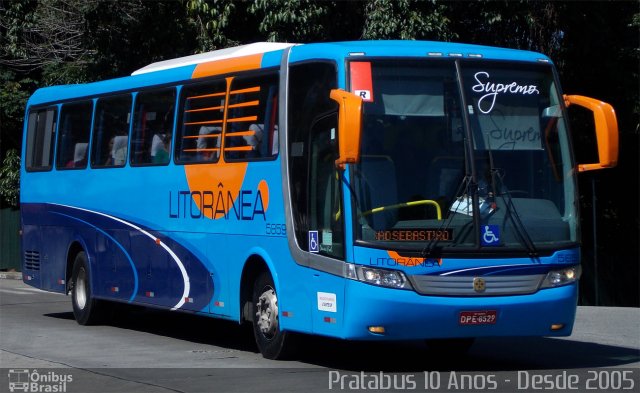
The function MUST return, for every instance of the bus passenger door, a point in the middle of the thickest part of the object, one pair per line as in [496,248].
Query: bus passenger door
[326,216]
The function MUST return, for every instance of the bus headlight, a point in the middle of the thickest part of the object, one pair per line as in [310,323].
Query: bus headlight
[556,278]
[381,277]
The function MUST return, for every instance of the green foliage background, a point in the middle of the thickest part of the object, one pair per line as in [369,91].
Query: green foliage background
[595,45]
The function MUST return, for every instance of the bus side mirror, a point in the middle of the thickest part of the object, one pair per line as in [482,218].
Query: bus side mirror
[349,126]
[606,125]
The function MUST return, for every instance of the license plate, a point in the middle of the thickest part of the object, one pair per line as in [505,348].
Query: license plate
[487,317]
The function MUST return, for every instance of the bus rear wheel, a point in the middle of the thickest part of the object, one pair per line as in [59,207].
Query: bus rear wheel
[272,342]
[86,309]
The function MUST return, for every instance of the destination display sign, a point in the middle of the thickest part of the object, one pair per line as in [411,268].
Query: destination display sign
[415,235]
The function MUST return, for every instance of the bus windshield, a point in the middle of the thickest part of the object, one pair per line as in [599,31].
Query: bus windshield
[472,154]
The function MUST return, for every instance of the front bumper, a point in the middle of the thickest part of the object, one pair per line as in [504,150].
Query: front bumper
[407,315]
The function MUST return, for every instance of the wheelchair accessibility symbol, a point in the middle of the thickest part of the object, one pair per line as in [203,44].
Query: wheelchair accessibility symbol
[313,242]
[490,235]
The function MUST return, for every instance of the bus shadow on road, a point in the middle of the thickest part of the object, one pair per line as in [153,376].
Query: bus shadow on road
[487,354]
[202,330]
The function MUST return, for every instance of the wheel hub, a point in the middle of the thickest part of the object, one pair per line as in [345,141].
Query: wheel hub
[267,313]
[80,289]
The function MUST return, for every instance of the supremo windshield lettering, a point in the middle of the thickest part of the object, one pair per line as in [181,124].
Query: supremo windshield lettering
[415,153]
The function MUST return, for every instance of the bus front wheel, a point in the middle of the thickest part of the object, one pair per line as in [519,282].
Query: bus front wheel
[272,342]
[86,309]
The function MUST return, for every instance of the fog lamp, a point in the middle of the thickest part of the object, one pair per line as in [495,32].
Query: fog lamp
[377,329]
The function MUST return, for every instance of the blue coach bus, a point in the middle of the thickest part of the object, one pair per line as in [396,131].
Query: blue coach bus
[383,190]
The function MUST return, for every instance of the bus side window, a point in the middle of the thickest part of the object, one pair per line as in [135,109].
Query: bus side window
[201,114]
[111,132]
[153,127]
[252,118]
[73,138]
[41,128]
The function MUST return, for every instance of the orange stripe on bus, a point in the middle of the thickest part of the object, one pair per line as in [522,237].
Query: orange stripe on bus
[202,176]
[222,94]
[227,66]
[239,148]
[213,108]
[245,104]
[195,123]
[201,136]
[247,90]
[240,119]
[241,133]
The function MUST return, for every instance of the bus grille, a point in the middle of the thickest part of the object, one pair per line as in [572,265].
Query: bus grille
[32,260]
[464,285]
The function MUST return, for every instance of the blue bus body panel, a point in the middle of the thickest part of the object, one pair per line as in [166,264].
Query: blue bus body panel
[148,241]
[128,223]
[272,59]
[407,315]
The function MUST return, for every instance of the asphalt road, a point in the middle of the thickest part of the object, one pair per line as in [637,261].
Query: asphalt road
[144,350]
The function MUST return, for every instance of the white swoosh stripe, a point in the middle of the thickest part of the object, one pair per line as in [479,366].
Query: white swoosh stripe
[185,276]
[478,268]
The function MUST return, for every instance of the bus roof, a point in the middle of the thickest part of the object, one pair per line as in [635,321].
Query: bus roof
[406,48]
[221,54]
[269,55]
[351,48]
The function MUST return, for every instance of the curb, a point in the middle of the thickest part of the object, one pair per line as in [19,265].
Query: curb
[10,276]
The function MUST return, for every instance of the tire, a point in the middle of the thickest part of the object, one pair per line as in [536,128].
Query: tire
[272,342]
[86,309]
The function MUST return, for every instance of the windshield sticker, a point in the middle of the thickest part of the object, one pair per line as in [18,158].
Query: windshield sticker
[487,102]
[415,235]
[314,245]
[361,81]
[490,235]
[327,241]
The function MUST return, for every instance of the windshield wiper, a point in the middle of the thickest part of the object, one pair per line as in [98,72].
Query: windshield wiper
[520,228]
[511,210]
[469,181]
[428,250]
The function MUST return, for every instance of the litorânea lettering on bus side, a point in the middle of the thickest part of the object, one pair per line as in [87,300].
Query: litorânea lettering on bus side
[245,205]
[405,261]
